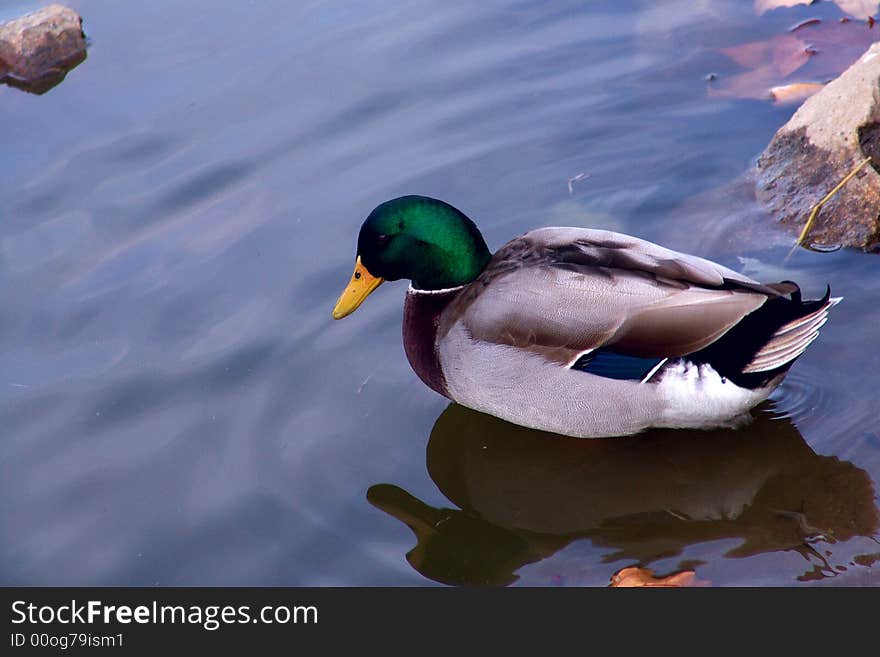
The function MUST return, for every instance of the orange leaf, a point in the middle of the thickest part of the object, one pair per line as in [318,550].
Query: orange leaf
[632,576]
[790,53]
[817,50]
[794,93]
[751,84]
[786,53]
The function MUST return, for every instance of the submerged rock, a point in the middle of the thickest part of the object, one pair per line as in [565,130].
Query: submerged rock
[831,133]
[37,50]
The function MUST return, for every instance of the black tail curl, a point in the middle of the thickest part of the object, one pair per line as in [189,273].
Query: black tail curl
[777,332]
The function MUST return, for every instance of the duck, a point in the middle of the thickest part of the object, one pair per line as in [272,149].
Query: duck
[578,331]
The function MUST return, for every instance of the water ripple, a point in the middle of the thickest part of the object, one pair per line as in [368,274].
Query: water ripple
[800,398]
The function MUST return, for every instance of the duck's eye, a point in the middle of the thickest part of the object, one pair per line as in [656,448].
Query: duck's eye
[382,239]
[357,275]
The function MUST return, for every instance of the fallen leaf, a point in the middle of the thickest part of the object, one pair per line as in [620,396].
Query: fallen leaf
[862,9]
[751,84]
[817,51]
[633,576]
[867,559]
[785,53]
[794,93]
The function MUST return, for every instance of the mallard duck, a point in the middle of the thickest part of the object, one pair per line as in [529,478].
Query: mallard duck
[581,332]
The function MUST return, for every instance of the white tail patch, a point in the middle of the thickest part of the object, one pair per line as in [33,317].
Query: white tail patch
[697,396]
[790,340]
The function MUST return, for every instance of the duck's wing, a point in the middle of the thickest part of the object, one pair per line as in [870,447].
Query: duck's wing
[562,292]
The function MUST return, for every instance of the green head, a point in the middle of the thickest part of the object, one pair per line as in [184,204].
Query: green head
[423,239]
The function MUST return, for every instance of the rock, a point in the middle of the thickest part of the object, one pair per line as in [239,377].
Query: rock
[37,50]
[829,135]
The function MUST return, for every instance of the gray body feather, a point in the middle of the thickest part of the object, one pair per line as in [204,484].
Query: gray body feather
[505,343]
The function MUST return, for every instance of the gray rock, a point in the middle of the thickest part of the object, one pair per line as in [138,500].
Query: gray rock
[37,50]
[831,133]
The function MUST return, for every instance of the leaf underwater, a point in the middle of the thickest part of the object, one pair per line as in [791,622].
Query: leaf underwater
[794,93]
[790,67]
[633,577]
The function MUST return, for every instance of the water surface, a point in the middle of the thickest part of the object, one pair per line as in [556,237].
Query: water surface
[177,406]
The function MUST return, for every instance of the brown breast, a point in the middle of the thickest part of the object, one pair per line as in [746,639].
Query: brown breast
[421,316]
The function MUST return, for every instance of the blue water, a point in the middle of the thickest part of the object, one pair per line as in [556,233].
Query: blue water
[179,215]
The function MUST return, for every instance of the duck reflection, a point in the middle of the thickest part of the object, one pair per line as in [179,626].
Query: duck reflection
[523,495]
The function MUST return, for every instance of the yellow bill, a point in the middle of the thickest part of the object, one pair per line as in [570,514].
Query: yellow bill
[359,287]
